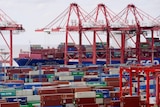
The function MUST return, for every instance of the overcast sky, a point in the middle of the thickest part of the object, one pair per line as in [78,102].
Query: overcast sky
[33,14]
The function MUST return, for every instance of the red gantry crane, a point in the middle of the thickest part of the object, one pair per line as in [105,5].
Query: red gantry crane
[64,23]
[102,16]
[82,17]
[7,24]
[131,22]
[137,23]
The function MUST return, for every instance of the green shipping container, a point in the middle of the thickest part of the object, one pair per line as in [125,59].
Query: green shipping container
[77,73]
[30,80]
[50,76]
[99,95]
[144,45]
[24,106]
[95,84]
[5,93]
[31,103]
[156,43]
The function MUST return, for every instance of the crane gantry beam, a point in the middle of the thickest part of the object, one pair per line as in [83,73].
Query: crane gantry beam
[7,24]
[129,19]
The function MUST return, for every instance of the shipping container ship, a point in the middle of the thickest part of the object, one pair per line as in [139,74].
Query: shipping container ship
[47,56]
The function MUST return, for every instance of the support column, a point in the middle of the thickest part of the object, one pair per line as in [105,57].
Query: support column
[147,87]
[11,49]
[80,47]
[152,50]
[94,48]
[138,45]
[122,48]
[108,59]
[120,81]
[130,82]
[66,49]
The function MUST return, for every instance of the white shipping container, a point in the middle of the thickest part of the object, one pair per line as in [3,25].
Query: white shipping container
[86,94]
[78,83]
[99,100]
[62,73]
[26,92]
[33,98]
[72,69]
[151,82]
[143,97]
[36,72]
[113,72]
[152,90]
[135,84]
[141,79]
[142,83]
[4,77]
[69,105]
[66,78]
[90,76]
[152,100]
[133,89]
[19,92]
[70,66]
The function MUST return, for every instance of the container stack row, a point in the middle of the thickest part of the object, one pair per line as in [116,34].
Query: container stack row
[71,86]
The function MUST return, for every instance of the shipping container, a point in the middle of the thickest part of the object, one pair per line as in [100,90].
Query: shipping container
[10,104]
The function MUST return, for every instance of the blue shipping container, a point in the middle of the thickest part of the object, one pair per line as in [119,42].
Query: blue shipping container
[21,100]
[14,85]
[31,86]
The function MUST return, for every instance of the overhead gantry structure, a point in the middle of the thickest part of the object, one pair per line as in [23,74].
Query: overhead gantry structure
[130,25]
[135,23]
[7,24]
[80,27]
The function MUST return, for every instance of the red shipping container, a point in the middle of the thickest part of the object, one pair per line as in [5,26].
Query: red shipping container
[13,70]
[93,68]
[23,55]
[111,79]
[113,83]
[68,96]
[91,73]
[2,101]
[62,82]
[110,88]
[62,69]
[49,84]
[35,56]
[25,70]
[51,103]
[82,89]
[51,97]
[85,100]
[42,91]
[40,80]
[88,105]
[131,101]
[14,81]
[116,103]
[48,72]
[10,104]
[65,90]
[67,101]
[22,75]
[48,67]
